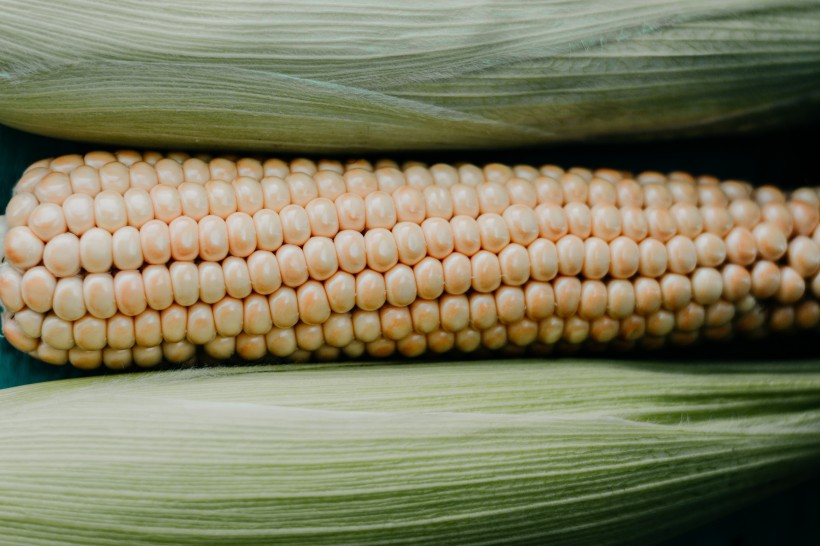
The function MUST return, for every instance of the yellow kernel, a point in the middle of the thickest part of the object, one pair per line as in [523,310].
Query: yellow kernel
[539,300]
[62,255]
[576,330]
[174,321]
[737,282]
[380,211]
[552,221]
[550,330]
[509,303]
[19,209]
[682,255]
[193,200]
[629,193]
[625,257]
[662,225]
[486,271]
[284,308]
[47,220]
[396,322]
[543,260]
[467,341]
[604,329]
[429,279]
[655,193]
[465,201]
[579,219]
[803,256]
[606,222]
[741,247]
[120,332]
[707,285]
[437,202]
[22,248]
[676,291]
[522,333]
[350,211]
[400,284]
[370,290]
[719,314]
[521,192]
[425,315]
[57,332]
[438,236]
[68,299]
[268,228]
[632,328]
[593,299]
[389,178]
[648,295]
[341,292]
[570,255]
[54,187]
[129,292]
[792,286]
[338,330]
[522,224]
[147,328]
[11,295]
[620,298]
[211,285]
[292,265]
[256,318]
[493,232]
[366,325]
[237,277]
[409,205]
[765,279]
[660,323]
[688,219]
[567,296]
[380,249]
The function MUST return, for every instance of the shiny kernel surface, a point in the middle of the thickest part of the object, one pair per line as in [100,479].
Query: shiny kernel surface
[131,258]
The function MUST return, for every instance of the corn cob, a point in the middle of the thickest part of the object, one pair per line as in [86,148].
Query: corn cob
[128,257]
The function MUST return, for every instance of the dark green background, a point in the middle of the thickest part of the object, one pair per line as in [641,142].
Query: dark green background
[787,158]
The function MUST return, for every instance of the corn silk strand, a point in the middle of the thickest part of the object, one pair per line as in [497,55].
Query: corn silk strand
[513,452]
[348,76]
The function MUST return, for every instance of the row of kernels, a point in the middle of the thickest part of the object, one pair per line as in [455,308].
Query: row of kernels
[256,315]
[328,340]
[493,194]
[292,224]
[156,286]
[112,211]
[263,272]
[362,327]
[212,239]
[566,297]
[203,167]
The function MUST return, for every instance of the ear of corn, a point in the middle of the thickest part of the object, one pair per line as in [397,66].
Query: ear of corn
[121,258]
[265,75]
[559,453]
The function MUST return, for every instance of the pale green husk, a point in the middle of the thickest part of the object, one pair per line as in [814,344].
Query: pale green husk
[566,452]
[355,75]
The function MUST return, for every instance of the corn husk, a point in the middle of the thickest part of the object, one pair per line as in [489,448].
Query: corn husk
[565,452]
[349,76]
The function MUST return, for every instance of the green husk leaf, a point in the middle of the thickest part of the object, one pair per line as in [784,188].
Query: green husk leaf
[513,452]
[351,76]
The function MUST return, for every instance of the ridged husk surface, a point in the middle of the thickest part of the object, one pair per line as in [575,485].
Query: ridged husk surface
[346,76]
[565,452]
